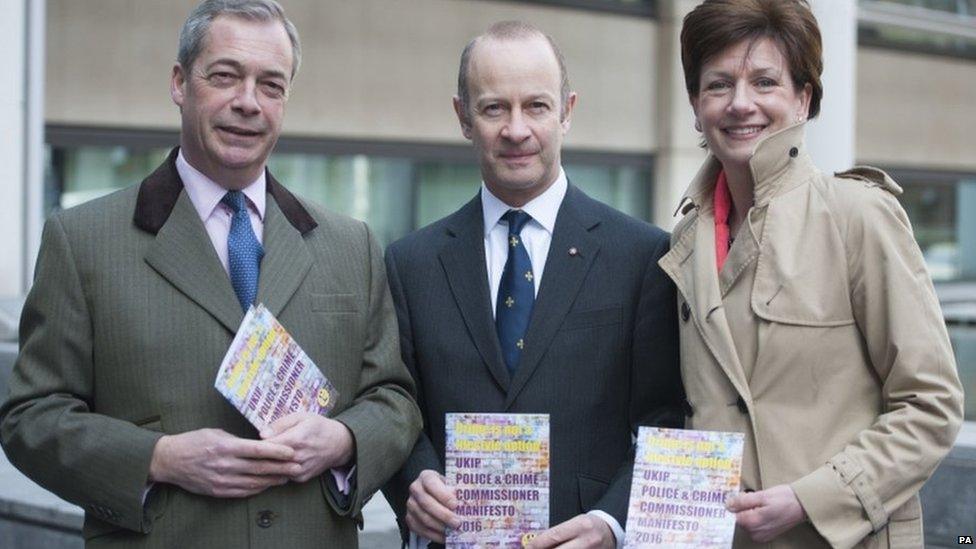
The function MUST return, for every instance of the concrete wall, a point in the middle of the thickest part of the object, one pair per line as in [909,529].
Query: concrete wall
[376,69]
[915,110]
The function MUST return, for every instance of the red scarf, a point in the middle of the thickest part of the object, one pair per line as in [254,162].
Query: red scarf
[723,205]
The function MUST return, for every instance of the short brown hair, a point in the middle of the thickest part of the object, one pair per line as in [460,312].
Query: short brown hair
[716,25]
[510,30]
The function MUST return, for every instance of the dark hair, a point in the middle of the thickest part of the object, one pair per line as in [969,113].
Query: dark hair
[510,30]
[716,25]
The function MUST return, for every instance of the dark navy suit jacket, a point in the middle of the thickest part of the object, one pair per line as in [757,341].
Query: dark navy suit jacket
[600,356]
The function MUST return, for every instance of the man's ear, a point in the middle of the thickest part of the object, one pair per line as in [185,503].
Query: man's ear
[177,85]
[568,111]
[463,117]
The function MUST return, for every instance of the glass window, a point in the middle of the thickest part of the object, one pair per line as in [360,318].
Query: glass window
[629,7]
[944,27]
[942,209]
[394,195]
[963,338]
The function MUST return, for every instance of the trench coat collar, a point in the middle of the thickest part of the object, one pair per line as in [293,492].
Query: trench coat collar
[775,158]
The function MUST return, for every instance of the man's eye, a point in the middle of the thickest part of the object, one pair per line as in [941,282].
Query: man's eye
[539,106]
[492,109]
[221,78]
[274,88]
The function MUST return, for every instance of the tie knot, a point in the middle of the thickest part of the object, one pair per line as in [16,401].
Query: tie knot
[234,200]
[516,220]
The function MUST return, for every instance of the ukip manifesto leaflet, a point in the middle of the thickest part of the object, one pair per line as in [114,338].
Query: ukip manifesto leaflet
[266,375]
[498,467]
[681,481]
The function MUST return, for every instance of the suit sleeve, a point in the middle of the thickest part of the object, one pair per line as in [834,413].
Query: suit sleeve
[423,456]
[383,417]
[48,426]
[656,392]
[898,314]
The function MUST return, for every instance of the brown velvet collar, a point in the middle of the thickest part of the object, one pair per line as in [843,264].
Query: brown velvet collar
[159,191]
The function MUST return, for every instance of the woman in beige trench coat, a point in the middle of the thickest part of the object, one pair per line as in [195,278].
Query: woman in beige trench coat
[807,318]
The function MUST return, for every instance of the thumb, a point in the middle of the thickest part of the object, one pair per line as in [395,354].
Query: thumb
[280,426]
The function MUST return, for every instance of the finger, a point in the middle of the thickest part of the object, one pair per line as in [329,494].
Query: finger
[244,485]
[422,530]
[750,519]
[267,467]
[435,509]
[260,449]
[423,518]
[744,501]
[434,484]
[281,425]
[554,536]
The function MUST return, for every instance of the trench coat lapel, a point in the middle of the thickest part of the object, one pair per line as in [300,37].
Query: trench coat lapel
[183,254]
[561,281]
[463,260]
[691,264]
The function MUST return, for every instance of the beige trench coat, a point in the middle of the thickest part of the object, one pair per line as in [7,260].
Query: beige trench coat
[851,395]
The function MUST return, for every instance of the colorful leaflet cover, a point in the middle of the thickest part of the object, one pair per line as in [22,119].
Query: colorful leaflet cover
[266,375]
[681,481]
[498,466]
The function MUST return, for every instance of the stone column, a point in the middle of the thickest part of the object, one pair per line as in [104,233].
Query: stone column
[830,137]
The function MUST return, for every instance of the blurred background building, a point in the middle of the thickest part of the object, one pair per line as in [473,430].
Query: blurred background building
[369,129]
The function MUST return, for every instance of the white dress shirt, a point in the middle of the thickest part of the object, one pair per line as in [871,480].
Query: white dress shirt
[206,195]
[536,236]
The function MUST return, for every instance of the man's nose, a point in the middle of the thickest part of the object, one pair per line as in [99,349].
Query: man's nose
[517,128]
[246,99]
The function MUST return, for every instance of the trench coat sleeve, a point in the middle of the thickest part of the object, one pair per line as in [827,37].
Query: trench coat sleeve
[656,393]
[47,425]
[897,312]
[383,418]
[423,455]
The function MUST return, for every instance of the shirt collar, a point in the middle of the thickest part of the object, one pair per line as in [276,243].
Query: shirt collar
[542,208]
[205,194]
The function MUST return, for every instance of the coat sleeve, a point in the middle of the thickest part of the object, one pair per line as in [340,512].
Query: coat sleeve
[656,393]
[423,455]
[904,335]
[48,426]
[383,417]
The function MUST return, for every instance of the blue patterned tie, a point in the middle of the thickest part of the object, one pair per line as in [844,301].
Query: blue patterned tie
[516,293]
[244,252]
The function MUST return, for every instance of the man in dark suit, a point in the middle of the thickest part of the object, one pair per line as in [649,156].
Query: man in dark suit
[138,296]
[533,298]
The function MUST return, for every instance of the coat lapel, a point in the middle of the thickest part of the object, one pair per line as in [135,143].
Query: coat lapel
[561,281]
[286,261]
[183,254]
[691,265]
[463,259]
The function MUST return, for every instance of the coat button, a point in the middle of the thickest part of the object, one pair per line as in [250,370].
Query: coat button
[741,404]
[685,311]
[688,409]
[265,519]
[793,152]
